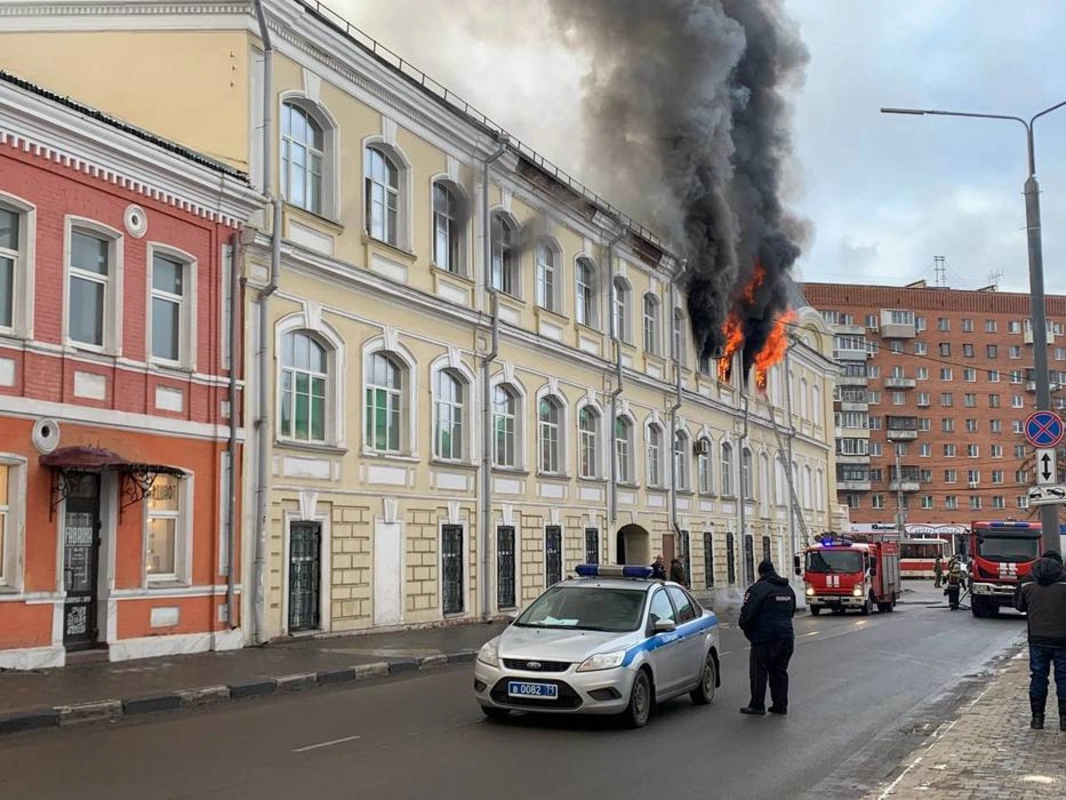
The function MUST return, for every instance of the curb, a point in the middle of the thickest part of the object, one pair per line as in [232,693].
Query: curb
[185,699]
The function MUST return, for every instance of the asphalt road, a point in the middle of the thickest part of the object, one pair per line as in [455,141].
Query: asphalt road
[860,686]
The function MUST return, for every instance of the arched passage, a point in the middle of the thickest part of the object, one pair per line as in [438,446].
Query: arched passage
[633,545]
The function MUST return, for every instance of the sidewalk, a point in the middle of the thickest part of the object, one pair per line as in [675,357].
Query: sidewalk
[989,751]
[100,691]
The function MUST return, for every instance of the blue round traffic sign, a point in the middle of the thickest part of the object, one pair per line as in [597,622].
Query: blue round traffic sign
[1044,429]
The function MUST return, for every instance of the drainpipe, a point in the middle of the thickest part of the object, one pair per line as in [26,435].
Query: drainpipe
[674,409]
[486,388]
[788,466]
[262,423]
[235,303]
[743,489]
[616,338]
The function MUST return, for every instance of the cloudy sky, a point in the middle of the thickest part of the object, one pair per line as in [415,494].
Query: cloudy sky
[885,194]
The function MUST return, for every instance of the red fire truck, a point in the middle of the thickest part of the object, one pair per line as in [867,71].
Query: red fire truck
[840,573]
[1001,554]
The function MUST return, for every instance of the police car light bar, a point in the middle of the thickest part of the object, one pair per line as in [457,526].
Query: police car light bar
[613,571]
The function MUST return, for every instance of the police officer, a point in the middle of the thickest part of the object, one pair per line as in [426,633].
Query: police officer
[658,568]
[766,619]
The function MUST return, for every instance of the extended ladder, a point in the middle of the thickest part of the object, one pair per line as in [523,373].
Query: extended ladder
[782,456]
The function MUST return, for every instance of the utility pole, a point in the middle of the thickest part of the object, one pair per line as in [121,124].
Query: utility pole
[900,516]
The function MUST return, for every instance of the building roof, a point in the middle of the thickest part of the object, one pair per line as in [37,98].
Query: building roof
[125,127]
[921,297]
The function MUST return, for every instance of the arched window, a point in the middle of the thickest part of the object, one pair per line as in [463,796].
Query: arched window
[547,279]
[448,239]
[304,382]
[681,466]
[382,196]
[586,291]
[819,490]
[764,483]
[680,351]
[747,480]
[449,411]
[621,309]
[704,468]
[816,402]
[303,153]
[804,400]
[505,277]
[549,433]
[780,482]
[623,444]
[651,324]
[727,469]
[505,425]
[384,404]
[655,455]
[806,486]
[588,423]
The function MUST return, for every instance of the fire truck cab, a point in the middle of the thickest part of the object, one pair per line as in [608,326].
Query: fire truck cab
[1001,554]
[841,574]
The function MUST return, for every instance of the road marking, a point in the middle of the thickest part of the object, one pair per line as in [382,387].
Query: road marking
[895,783]
[326,744]
[812,633]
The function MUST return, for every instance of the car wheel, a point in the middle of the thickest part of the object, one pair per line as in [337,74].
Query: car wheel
[495,714]
[816,610]
[703,695]
[639,709]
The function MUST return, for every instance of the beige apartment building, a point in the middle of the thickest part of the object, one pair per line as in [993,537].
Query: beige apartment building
[410,314]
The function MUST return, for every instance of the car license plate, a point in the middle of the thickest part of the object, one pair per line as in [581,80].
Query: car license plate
[541,691]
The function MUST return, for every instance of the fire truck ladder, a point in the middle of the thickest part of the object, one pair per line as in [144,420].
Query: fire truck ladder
[782,455]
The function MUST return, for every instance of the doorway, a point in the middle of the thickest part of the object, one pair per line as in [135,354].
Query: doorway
[633,545]
[305,576]
[81,560]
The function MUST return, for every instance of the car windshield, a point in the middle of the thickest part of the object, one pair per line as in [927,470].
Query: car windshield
[834,561]
[1009,549]
[586,609]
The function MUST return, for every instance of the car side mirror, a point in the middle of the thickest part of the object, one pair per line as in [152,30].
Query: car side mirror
[664,626]
[796,566]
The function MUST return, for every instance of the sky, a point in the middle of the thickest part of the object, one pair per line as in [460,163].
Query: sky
[883,194]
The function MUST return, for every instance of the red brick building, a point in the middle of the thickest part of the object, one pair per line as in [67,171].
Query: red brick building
[936,382]
[116,300]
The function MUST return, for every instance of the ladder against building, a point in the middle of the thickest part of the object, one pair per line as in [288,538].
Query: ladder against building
[782,456]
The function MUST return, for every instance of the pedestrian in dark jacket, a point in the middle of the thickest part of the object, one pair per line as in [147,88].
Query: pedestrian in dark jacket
[1042,596]
[766,619]
[658,569]
[677,572]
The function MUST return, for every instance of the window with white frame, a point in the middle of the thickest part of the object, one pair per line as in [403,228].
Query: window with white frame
[505,277]
[747,480]
[164,529]
[680,353]
[727,469]
[89,298]
[505,422]
[588,428]
[305,376]
[382,196]
[384,404]
[655,455]
[651,324]
[448,216]
[681,465]
[173,306]
[10,504]
[449,410]
[623,444]
[13,267]
[621,309]
[547,278]
[549,434]
[303,153]
[704,468]
[586,291]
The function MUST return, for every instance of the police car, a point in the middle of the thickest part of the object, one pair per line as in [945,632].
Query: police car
[611,641]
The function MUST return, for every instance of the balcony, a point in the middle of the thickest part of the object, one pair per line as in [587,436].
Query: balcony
[900,383]
[850,330]
[850,354]
[901,435]
[853,458]
[1027,334]
[844,485]
[901,429]
[897,324]
[907,485]
[853,380]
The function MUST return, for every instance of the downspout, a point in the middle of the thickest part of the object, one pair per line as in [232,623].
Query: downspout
[616,339]
[744,555]
[486,388]
[263,352]
[235,415]
[675,356]
[788,466]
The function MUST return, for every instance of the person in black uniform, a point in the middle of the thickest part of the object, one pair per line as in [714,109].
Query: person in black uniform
[766,620]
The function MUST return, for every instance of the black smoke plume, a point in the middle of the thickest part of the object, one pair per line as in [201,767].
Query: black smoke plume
[689,121]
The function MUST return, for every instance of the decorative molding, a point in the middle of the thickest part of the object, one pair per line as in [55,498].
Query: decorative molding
[308,506]
[312,85]
[390,506]
[453,512]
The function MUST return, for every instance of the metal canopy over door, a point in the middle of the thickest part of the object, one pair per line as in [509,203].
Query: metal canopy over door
[305,576]
[81,559]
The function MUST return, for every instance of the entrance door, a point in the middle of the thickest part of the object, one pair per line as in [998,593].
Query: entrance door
[668,550]
[305,576]
[553,555]
[81,559]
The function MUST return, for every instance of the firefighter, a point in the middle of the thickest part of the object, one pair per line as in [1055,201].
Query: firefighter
[1042,597]
[766,619]
[956,581]
[938,571]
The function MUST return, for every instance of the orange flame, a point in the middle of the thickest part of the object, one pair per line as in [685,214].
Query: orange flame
[753,285]
[734,340]
[774,349]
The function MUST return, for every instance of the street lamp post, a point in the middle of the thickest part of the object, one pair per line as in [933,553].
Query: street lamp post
[1049,514]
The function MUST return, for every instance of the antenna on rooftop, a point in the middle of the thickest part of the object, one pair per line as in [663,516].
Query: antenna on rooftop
[940,268]
[995,277]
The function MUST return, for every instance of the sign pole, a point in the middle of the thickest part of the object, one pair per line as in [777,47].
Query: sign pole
[1044,431]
